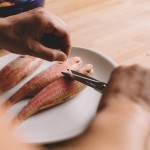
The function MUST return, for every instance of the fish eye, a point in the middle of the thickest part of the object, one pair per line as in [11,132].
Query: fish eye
[88,71]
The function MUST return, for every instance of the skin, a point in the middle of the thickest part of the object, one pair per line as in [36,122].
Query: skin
[123,118]
[37,33]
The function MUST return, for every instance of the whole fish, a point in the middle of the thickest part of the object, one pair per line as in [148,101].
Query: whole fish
[44,78]
[55,93]
[16,70]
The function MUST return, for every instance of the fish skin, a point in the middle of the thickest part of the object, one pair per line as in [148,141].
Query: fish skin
[41,80]
[55,93]
[16,70]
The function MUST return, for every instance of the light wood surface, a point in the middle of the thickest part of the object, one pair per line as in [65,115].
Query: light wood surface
[118,28]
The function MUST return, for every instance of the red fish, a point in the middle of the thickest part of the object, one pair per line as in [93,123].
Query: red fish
[55,93]
[44,78]
[16,70]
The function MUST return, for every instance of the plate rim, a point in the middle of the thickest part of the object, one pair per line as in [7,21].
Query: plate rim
[102,55]
[112,61]
[114,64]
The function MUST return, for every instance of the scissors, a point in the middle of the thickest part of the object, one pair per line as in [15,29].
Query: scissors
[94,83]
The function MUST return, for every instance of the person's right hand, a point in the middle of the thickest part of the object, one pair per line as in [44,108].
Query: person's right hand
[37,33]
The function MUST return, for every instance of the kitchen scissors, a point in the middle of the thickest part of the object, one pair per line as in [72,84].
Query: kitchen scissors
[89,81]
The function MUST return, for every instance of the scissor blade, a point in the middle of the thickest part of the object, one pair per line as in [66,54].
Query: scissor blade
[97,85]
[84,80]
[83,75]
[79,78]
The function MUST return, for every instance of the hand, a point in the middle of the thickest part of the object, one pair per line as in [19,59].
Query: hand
[132,83]
[36,33]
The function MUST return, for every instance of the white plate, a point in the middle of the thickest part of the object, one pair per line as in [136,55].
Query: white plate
[69,119]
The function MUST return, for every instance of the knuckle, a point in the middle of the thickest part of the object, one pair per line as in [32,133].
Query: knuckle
[37,14]
[39,10]
[67,30]
[52,56]
[135,67]
[118,70]
[32,47]
[145,71]
[36,11]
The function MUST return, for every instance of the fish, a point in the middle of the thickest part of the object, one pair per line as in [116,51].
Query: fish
[17,70]
[55,93]
[41,80]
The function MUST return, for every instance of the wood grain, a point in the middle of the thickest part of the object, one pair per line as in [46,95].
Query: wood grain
[118,28]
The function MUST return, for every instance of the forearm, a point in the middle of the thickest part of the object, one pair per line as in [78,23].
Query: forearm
[119,126]
[124,126]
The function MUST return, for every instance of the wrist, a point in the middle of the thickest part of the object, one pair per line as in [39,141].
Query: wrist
[123,106]
[5,27]
[124,123]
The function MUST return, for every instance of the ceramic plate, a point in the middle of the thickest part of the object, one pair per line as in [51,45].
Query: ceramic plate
[66,120]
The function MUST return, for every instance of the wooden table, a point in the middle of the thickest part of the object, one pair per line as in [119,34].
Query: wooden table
[118,28]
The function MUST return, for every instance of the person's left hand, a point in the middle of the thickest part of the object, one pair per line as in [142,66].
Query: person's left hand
[37,33]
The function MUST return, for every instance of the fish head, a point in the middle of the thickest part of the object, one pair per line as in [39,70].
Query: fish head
[88,70]
[76,63]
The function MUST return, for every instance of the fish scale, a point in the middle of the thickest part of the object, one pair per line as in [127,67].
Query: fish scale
[16,70]
[41,80]
[55,93]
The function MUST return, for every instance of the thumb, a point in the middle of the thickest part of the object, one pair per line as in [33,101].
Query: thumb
[46,52]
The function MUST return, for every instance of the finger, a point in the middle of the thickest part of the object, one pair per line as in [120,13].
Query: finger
[45,52]
[60,30]
[65,39]
[66,45]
